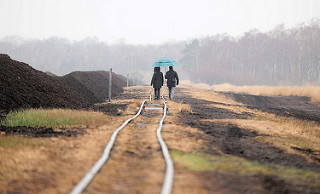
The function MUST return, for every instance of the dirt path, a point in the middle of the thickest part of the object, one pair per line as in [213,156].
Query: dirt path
[136,164]
[218,144]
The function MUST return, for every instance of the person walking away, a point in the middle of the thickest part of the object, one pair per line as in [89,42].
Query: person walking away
[172,81]
[157,82]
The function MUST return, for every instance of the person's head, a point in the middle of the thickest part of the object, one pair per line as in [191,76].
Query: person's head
[156,69]
[170,68]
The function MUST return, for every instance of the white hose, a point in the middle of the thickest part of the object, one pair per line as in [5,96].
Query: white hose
[168,179]
[79,188]
[150,97]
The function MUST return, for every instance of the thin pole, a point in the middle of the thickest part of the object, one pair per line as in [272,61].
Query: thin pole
[134,80]
[127,79]
[110,83]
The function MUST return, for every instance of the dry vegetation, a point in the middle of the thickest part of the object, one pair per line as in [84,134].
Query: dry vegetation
[310,91]
[46,162]
[176,107]
[182,139]
[196,161]
[135,105]
[195,85]
[53,165]
[282,132]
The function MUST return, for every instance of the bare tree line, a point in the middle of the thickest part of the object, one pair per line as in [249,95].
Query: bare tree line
[278,57]
[61,56]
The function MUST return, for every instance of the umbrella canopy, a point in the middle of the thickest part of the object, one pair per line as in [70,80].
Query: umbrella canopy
[165,62]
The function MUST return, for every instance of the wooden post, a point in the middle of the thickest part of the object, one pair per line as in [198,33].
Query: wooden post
[110,83]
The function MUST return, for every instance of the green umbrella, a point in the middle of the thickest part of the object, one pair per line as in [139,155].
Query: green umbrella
[165,62]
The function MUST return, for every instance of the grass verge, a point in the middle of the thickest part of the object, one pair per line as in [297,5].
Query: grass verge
[52,118]
[224,163]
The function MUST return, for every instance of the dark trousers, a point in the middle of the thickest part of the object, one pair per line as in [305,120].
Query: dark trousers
[157,93]
[171,92]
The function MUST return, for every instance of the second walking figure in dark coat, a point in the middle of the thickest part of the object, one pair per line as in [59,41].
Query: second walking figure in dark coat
[157,82]
[172,80]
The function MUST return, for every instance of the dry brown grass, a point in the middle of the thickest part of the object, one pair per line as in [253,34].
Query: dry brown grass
[310,91]
[176,107]
[55,164]
[186,139]
[281,131]
[17,167]
[60,164]
[204,94]
[195,85]
[135,104]
[174,132]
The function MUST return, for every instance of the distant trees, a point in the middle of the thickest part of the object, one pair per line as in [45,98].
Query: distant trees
[190,55]
[278,57]
[61,56]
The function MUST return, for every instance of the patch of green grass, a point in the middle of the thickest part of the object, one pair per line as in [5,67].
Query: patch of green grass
[17,142]
[51,117]
[193,161]
[226,163]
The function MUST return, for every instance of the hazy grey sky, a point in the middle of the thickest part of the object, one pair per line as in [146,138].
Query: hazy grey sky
[148,21]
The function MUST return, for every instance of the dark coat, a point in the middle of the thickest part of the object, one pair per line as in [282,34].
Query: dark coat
[157,79]
[171,77]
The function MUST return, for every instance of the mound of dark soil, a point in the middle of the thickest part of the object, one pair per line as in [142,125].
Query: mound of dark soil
[51,74]
[21,86]
[81,90]
[94,85]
